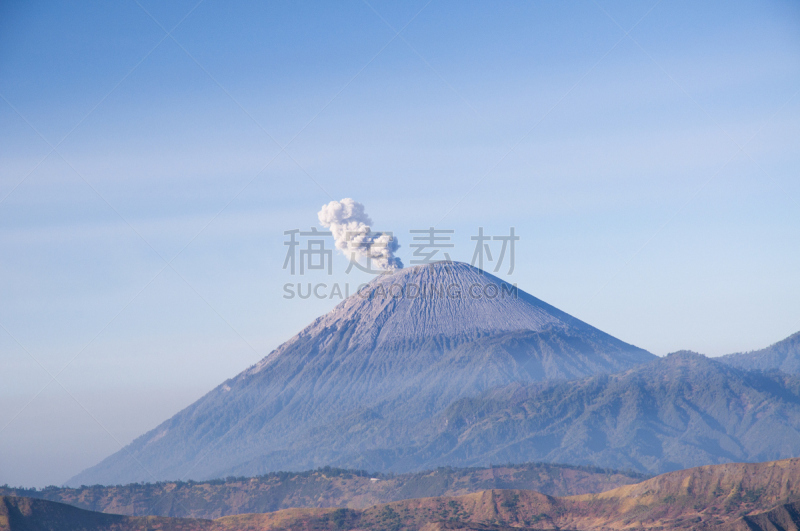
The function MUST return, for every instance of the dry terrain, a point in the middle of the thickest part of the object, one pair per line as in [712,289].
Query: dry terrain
[731,497]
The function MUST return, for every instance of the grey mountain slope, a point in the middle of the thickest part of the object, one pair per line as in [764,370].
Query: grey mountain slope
[362,379]
[783,356]
[677,412]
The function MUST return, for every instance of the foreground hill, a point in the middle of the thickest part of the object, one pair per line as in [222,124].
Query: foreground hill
[358,384]
[731,497]
[26,514]
[676,412]
[324,488]
[783,356]
[697,498]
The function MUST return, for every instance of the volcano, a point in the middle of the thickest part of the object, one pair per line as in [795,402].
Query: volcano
[361,386]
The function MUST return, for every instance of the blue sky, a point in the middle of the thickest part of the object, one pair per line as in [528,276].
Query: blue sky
[652,177]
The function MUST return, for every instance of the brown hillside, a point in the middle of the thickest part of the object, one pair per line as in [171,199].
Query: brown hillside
[693,498]
[700,498]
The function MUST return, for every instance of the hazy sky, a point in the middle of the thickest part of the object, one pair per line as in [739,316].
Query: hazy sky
[146,181]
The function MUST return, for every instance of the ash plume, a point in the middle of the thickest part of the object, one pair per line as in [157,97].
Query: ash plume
[350,226]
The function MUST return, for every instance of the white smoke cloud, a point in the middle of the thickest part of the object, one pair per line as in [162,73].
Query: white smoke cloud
[350,226]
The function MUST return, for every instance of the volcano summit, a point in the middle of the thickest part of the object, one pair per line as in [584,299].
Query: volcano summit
[361,385]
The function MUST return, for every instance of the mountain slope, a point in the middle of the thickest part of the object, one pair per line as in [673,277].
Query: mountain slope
[698,498]
[680,411]
[358,383]
[783,356]
[782,518]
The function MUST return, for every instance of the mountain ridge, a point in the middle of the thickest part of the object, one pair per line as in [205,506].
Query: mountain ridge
[783,355]
[322,488]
